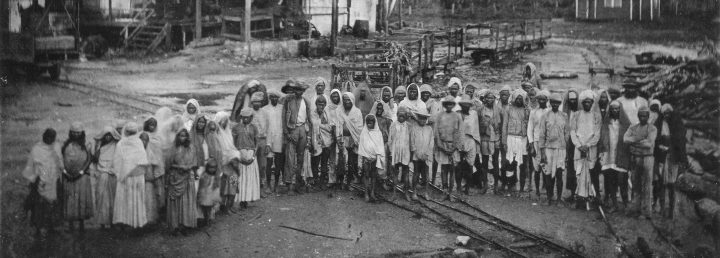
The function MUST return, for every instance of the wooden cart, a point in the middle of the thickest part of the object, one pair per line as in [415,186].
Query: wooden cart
[36,51]
[500,39]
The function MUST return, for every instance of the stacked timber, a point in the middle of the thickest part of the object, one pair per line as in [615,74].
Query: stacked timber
[693,89]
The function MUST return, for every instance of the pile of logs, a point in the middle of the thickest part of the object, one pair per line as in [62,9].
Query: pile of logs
[693,88]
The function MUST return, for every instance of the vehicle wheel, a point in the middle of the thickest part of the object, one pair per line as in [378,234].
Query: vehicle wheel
[54,71]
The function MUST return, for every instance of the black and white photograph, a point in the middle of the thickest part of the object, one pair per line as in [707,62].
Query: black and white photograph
[360,128]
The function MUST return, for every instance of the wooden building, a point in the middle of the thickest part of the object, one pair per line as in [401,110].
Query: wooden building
[633,10]
[643,10]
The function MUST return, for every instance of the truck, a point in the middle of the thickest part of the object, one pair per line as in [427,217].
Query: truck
[37,37]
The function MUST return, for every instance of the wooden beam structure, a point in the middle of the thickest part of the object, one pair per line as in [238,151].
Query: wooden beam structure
[198,19]
[334,27]
[248,13]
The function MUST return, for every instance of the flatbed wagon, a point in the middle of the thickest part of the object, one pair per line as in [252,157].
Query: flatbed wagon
[48,39]
[499,39]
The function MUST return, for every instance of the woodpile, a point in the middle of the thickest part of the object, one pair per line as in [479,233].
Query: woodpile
[693,89]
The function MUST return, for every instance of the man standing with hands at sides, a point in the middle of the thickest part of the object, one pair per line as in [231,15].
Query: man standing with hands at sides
[491,120]
[297,128]
[553,135]
[515,136]
[447,141]
[533,134]
[641,138]
[273,111]
[585,134]
[570,107]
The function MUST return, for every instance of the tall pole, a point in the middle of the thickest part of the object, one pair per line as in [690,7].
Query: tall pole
[246,29]
[334,27]
[400,7]
[198,19]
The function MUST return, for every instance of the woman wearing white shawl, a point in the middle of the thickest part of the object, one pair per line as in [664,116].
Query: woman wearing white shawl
[350,123]
[455,82]
[332,110]
[412,99]
[190,113]
[102,170]
[371,150]
[154,181]
[389,102]
[129,164]
[43,169]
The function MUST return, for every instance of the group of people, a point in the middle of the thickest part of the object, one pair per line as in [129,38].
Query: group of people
[183,168]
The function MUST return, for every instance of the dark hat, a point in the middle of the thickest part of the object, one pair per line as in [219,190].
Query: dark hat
[630,82]
[294,85]
[448,99]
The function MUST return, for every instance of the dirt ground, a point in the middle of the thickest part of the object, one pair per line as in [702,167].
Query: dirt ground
[213,75]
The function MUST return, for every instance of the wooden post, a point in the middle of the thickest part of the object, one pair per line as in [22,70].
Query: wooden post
[400,6]
[110,11]
[246,25]
[386,13]
[334,27]
[198,19]
[349,2]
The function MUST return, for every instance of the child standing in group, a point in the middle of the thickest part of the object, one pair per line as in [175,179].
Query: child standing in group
[447,139]
[209,191]
[371,150]
[399,145]
[245,136]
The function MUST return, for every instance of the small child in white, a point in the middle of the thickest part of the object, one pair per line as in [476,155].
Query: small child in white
[209,191]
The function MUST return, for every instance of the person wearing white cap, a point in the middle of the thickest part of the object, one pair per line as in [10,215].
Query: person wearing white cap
[641,138]
[515,138]
[533,133]
[273,111]
[552,143]
[585,134]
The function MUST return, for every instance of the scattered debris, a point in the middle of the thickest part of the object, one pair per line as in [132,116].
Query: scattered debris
[317,234]
[559,75]
[63,104]
[462,240]
[523,244]
[465,253]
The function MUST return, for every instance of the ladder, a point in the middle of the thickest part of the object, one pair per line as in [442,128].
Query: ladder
[148,36]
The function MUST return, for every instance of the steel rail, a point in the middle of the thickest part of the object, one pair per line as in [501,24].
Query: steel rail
[459,227]
[511,227]
[134,102]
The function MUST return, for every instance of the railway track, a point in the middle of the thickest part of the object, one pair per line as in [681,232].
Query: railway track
[128,100]
[472,221]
